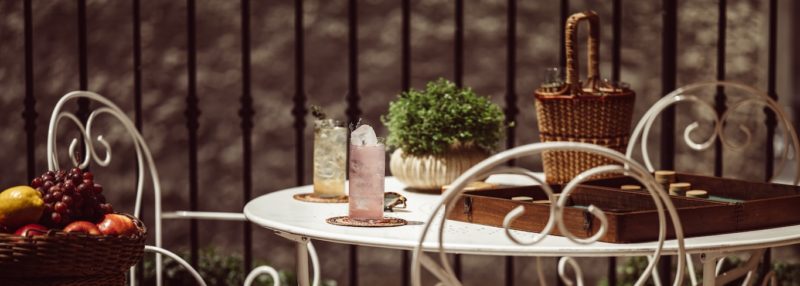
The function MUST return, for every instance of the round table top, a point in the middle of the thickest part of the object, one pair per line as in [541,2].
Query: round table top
[280,212]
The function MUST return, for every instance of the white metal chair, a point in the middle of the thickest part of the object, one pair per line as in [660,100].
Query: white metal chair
[495,165]
[145,163]
[688,94]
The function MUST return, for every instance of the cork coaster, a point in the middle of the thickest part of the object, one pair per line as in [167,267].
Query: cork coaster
[384,222]
[314,198]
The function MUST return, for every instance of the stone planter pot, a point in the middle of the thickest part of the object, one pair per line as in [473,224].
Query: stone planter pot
[433,172]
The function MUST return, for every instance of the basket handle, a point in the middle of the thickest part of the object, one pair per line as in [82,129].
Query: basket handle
[571,34]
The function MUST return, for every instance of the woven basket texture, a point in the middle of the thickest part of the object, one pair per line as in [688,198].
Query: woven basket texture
[589,113]
[603,121]
[60,258]
[106,280]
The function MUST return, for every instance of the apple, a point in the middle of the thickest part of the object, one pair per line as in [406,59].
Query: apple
[82,226]
[31,230]
[116,224]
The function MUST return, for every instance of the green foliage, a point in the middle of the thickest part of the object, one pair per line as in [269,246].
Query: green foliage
[430,121]
[317,112]
[629,272]
[216,267]
[632,268]
[787,273]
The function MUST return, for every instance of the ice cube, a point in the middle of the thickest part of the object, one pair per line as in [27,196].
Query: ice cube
[364,135]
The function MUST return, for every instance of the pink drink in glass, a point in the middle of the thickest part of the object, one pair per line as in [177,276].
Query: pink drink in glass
[367,167]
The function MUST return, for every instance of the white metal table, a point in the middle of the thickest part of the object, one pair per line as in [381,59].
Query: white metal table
[278,211]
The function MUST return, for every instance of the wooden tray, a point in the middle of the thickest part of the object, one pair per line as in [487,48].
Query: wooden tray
[758,205]
[632,216]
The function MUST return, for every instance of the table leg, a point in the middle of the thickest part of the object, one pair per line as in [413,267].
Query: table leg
[709,268]
[302,245]
[302,263]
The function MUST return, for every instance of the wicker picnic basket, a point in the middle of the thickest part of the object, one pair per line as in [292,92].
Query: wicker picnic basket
[58,258]
[596,111]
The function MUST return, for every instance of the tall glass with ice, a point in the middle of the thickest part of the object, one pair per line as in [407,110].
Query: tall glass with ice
[330,153]
[367,169]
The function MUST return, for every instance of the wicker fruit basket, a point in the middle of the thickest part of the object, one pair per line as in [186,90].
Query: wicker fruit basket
[597,112]
[58,258]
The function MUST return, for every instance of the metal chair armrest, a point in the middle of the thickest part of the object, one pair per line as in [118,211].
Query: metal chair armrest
[159,250]
[229,216]
[276,279]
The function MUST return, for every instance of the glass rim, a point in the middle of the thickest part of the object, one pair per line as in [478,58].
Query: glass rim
[319,123]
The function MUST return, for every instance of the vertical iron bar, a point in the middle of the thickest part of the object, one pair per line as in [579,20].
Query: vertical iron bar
[459,59]
[511,109]
[83,103]
[299,110]
[794,60]
[511,72]
[137,95]
[353,112]
[669,40]
[137,65]
[406,50]
[616,46]
[668,81]
[246,113]
[192,124]
[771,121]
[29,114]
[459,80]
[353,259]
[406,85]
[719,97]
[564,10]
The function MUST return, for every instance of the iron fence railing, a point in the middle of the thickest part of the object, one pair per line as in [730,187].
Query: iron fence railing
[299,110]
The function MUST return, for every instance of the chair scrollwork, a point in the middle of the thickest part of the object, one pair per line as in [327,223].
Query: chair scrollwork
[494,165]
[144,159]
[687,94]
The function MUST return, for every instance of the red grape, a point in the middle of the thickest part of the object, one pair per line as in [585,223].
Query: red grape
[56,217]
[82,188]
[70,196]
[36,182]
[69,185]
[60,207]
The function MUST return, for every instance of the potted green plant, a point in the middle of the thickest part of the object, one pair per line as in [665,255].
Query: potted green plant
[440,132]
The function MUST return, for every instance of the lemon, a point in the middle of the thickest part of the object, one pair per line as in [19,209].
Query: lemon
[19,206]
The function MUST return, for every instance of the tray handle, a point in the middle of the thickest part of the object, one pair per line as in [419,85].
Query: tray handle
[571,34]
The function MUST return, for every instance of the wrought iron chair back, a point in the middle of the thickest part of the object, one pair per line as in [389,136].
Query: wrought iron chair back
[686,94]
[144,163]
[496,165]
